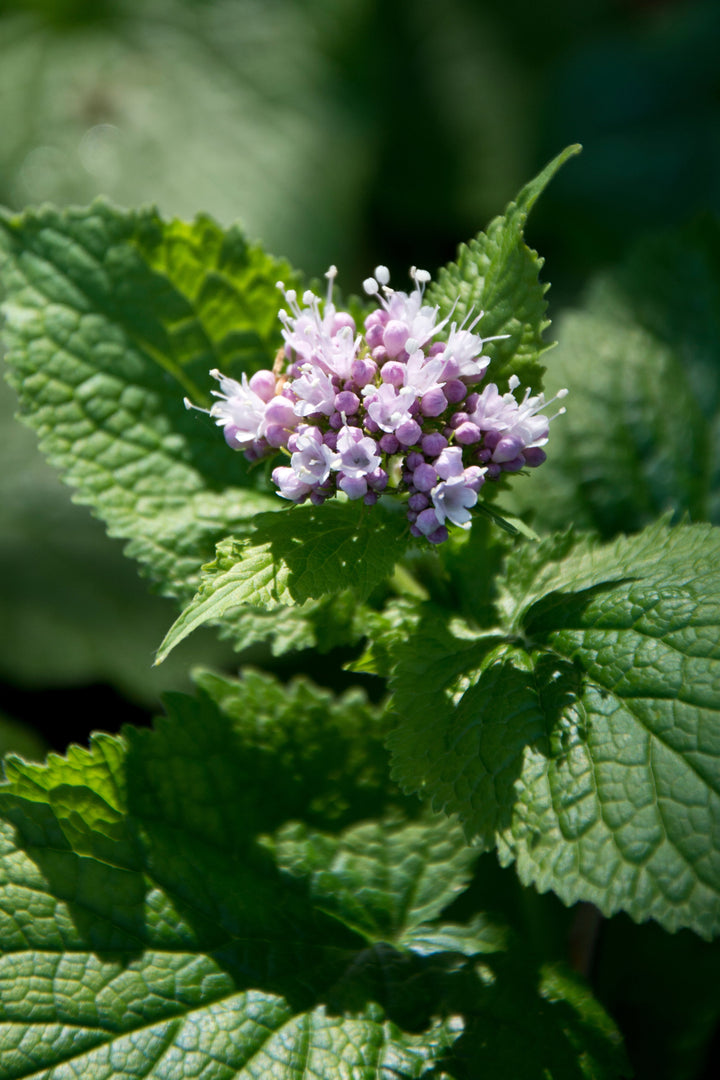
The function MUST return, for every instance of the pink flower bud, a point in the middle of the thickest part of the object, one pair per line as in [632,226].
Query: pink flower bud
[394,338]
[393,372]
[263,383]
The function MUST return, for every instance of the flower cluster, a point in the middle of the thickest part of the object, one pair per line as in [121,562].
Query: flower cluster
[390,409]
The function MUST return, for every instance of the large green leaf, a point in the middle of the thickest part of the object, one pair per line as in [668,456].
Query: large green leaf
[497,273]
[162,915]
[582,735]
[110,318]
[641,358]
[294,558]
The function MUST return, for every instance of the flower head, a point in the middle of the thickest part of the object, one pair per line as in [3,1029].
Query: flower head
[393,408]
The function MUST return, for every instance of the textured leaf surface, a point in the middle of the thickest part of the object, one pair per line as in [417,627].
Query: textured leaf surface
[498,274]
[161,914]
[110,318]
[296,557]
[582,737]
[642,361]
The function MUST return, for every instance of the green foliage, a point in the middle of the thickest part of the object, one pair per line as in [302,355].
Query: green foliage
[581,735]
[110,317]
[294,558]
[168,913]
[242,888]
[497,273]
[72,609]
[642,359]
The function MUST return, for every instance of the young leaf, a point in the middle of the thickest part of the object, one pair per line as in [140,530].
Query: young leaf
[160,913]
[111,317]
[642,360]
[496,273]
[582,738]
[295,557]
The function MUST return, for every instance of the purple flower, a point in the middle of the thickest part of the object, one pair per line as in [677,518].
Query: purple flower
[387,406]
[452,500]
[314,391]
[313,459]
[357,453]
[289,484]
[392,407]
[240,411]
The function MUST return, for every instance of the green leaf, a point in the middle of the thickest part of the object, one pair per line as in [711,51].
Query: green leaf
[161,914]
[581,737]
[111,317]
[72,608]
[641,359]
[384,630]
[497,273]
[334,620]
[293,558]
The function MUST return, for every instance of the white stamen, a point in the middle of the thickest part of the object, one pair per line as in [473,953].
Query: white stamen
[382,274]
[370,286]
[189,405]
[330,275]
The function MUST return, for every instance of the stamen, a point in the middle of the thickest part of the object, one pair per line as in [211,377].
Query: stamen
[330,275]
[382,274]
[189,405]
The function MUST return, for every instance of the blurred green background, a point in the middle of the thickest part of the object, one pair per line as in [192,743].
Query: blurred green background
[345,131]
[349,132]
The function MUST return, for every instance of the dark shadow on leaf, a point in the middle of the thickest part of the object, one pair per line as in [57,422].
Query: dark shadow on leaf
[190,869]
[333,547]
[560,610]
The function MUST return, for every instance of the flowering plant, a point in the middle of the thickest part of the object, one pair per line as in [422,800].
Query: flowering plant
[394,409]
[252,888]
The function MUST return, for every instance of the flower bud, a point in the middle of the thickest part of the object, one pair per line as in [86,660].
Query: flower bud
[389,444]
[455,391]
[534,456]
[434,402]
[263,383]
[362,370]
[433,444]
[418,501]
[394,338]
[393,372]
[347,402]
[468,433]
[353,486]
[425,477]
[408,432]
